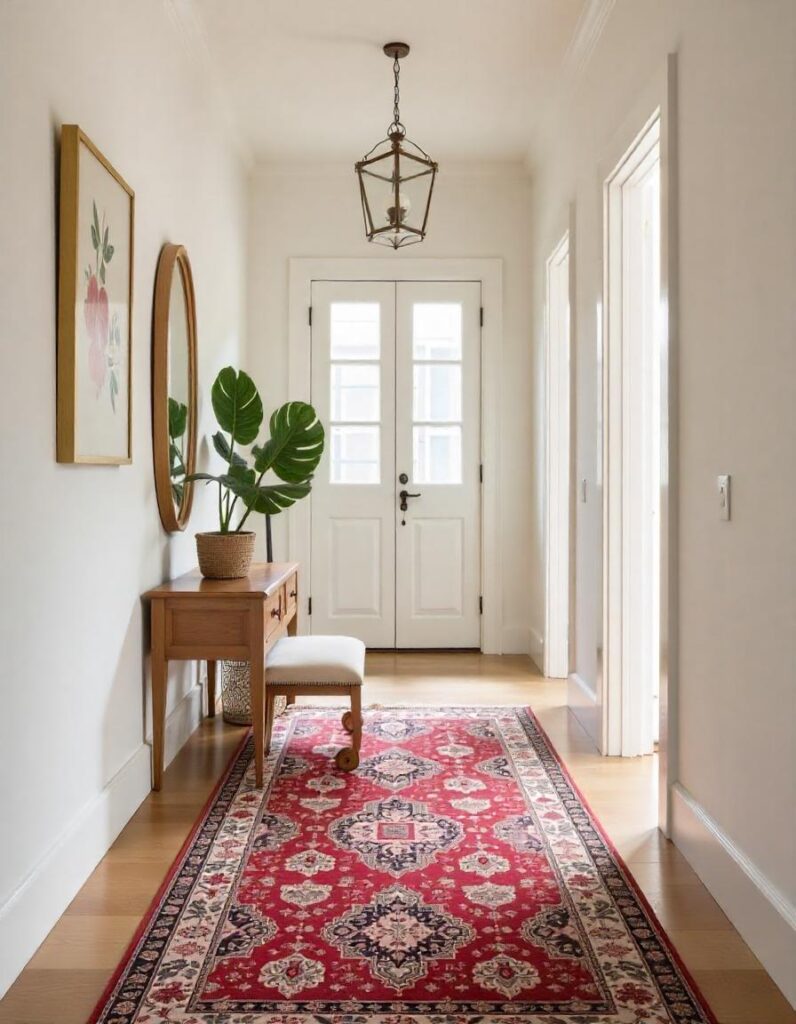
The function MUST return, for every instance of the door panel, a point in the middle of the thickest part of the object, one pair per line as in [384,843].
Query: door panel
[356,576]
[353,509]
[438,397]
[438,545]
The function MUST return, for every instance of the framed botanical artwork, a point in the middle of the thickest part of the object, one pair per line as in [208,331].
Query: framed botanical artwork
[95,302]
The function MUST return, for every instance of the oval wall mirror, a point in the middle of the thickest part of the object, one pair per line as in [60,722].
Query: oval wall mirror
[174,386]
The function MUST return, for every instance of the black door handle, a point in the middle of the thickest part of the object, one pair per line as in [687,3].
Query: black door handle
[403,495]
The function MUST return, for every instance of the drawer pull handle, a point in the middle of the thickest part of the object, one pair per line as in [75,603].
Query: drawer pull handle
[276,613]
[294,593]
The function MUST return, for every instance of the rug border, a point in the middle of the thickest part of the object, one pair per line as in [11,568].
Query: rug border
[629,876]
[597,824]
[154,903]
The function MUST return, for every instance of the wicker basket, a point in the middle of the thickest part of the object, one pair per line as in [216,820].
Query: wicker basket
[235,693]
[225,556]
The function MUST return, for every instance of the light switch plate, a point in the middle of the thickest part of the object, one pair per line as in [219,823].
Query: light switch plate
[723,482]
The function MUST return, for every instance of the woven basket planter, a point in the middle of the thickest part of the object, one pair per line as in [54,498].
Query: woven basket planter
[225,556]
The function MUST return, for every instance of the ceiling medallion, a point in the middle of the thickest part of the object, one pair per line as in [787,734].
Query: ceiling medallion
[396,178]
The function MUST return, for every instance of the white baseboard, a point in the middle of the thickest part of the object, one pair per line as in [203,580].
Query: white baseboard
[764,917]
[516,640]
[582,702]
[182,721]
[30,912]
[582,687]
[536,648]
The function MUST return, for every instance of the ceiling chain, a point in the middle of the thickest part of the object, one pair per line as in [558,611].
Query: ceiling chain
[396,125]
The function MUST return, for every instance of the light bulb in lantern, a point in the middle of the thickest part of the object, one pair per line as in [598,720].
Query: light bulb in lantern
[393,216]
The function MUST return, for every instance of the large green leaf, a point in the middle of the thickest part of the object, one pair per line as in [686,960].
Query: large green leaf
[270,499]
[237,477]
[221,445]
[295,446]
[237,405]
[178,417]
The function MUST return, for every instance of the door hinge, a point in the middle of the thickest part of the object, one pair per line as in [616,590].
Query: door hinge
[481,317]
[481,473]
[309,316]
[480,606]
[309,606]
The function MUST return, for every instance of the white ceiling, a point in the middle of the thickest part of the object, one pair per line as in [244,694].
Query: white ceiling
[307,78]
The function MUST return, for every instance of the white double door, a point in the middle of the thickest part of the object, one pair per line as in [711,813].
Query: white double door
[396,502]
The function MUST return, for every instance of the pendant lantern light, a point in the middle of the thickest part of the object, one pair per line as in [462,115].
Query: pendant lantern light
[396,178]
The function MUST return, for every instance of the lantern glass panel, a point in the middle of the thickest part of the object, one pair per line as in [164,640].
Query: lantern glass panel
[391,222]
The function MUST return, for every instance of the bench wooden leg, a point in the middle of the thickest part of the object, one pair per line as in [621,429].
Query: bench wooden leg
[347,759]
[356,716]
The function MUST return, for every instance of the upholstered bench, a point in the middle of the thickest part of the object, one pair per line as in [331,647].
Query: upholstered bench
[323,666]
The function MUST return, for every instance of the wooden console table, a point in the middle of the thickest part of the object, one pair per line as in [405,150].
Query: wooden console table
[208,620]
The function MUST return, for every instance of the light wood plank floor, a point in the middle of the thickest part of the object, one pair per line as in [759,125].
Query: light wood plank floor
[66,976]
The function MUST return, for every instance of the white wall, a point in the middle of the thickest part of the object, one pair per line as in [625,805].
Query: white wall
[737,774]
[477,211]
[80,544]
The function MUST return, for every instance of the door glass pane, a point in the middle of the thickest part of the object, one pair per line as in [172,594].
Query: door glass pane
[436,455]
[355,330]
[354,455]
[355,392]
[437,330]
[437,392]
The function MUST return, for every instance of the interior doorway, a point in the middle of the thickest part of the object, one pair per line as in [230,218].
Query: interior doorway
[632,448]
[396,503]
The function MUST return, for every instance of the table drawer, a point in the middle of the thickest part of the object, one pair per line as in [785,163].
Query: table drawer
[291,596]
[274,611]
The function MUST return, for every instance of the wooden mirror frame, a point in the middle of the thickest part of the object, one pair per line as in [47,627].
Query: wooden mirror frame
[172,258]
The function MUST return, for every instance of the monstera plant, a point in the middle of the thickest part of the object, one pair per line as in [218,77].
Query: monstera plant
[291,454]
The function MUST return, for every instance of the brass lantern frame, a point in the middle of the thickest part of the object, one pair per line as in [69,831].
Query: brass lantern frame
[386,162]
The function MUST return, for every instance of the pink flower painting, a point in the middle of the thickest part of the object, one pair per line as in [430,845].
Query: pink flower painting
[104,334]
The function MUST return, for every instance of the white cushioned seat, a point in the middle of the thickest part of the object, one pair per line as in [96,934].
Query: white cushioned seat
[316,659]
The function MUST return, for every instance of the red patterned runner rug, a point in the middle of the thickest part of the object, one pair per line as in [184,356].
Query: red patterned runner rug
[456,877]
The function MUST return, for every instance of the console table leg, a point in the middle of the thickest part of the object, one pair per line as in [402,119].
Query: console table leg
[160,667]
[211,689]
[258,715]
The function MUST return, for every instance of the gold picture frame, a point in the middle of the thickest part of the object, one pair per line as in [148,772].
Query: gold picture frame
[95,307]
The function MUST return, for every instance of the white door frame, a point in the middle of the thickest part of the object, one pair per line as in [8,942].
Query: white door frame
[660,97]
[625,531]
[557,465]
[489,273]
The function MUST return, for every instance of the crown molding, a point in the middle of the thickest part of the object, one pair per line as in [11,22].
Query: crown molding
[190,29]
[588,30]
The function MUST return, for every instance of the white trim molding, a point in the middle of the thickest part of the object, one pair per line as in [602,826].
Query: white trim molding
[588,31]
[32,910]
[630,371]
[583,703]
[52,883]
[763,915]
[557,347]
[489,272]
[660,94]
[536,647]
